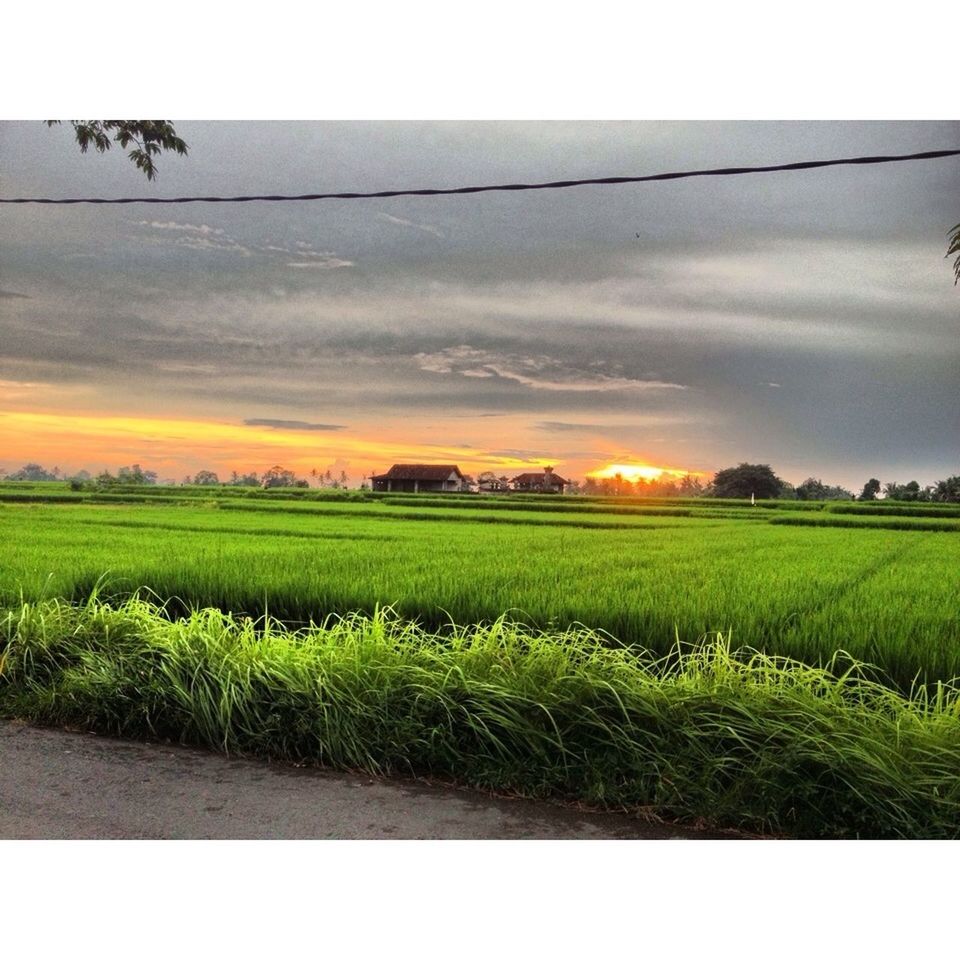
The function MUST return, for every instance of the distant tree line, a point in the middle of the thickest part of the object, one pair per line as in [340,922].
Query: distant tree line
[276,476]
[35,473]
[135,475]
[943,491]
[742,482]
[758,480]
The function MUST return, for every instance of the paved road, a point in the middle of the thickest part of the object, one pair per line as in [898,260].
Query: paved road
[60,785]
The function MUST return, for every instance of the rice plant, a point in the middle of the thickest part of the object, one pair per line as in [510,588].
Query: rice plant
[737,738]
[888,596]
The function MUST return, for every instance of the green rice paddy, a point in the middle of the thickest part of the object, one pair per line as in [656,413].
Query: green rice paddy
[872,587]
[799,582]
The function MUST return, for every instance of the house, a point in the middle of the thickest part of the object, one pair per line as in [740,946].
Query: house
[420,478]
[489,482]
[546,482]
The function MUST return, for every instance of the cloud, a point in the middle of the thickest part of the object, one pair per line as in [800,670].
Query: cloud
[194,236]
[328,263]
[292,424]
[639,425]
[201,228]
[600,384]
[20,384]
[425,227]
[536,372]
[202,236]
[218,245]
[19,390]
[521,456]
[308,256]
[559,426]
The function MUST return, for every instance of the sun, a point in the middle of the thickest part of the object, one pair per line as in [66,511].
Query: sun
[630,471]
[635,471]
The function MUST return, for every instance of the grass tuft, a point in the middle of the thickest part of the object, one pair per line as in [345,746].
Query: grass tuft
[736,738]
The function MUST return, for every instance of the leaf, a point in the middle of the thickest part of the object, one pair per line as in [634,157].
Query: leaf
[954,248]
[148,138]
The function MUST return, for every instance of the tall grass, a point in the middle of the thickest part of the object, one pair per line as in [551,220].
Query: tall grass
[739,739]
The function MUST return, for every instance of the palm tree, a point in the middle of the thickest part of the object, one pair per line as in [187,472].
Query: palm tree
[954,248]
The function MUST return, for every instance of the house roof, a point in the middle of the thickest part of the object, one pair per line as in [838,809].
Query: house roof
[420,471]
[541,478]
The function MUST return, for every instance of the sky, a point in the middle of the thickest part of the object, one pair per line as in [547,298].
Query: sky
[806,320]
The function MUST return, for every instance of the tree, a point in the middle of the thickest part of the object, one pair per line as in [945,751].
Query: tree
[34,472]
[746,480]
[667,488]
[323,478]
[244,480]
[148,137]
[79,481]
[787,491]
[205,478]
[489,481]
[622,487]
[954,248]
[278,477]
[813,489]
[906,491]
[327,479]
[136,475]
[590,487]
[947,491]
[870,489]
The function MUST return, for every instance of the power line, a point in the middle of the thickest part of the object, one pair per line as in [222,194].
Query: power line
[554,185]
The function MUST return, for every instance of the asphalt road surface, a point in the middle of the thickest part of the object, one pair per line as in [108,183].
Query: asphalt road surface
[61,785]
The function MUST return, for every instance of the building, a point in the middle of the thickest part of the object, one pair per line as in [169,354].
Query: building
[420,478]
[546,482]
[490,483]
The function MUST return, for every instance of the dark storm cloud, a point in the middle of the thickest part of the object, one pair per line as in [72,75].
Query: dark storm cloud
[292,424]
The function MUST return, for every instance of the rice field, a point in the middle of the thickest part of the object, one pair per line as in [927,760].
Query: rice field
[801,582]
[870,588]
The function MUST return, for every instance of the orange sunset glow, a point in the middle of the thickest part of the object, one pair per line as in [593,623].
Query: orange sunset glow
[636,471]
[174,445]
